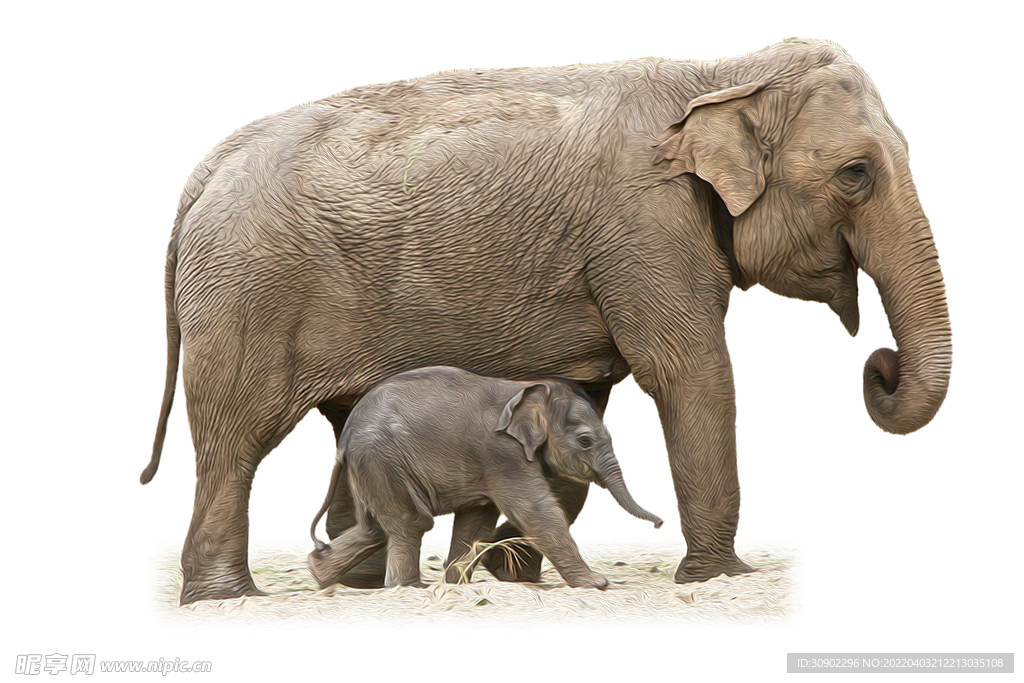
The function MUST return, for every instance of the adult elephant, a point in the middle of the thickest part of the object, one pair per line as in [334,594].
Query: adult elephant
[584,221]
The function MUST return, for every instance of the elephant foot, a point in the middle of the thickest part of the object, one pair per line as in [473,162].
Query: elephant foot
[355,559]
[222,588]
[454,576]
[693,569]
[317,562]
[369,574]
[359,580]
[595,580]
[524,570]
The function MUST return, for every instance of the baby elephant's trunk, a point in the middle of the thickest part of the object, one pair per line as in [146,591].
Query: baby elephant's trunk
[609,475]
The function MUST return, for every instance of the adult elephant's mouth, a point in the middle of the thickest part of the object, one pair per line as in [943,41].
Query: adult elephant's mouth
[845,301]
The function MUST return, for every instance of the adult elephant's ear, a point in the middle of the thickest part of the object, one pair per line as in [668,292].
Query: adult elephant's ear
[717,140]
[524,418]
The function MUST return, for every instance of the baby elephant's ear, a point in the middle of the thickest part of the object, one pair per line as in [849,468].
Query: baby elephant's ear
[524,418]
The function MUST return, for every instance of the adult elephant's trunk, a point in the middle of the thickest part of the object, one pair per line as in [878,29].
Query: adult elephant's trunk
[609,475]
[903,389]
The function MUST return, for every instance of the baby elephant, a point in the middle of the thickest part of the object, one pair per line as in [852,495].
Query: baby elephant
[438,440]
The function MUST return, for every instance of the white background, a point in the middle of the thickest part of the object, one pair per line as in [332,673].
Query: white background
[904,543]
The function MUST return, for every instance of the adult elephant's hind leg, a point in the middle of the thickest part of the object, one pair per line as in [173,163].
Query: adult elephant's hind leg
[231,438]
[214,560]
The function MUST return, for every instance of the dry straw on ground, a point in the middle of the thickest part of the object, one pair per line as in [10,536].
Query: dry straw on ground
[641,590]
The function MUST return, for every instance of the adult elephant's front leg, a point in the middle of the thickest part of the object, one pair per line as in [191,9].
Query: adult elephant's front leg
[698,416]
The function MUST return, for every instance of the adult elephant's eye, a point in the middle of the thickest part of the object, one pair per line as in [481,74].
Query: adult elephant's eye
[855,175]
[855,178]
[857,171]
[585,442]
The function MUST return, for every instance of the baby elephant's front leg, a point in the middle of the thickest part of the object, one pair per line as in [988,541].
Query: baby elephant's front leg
[545,524]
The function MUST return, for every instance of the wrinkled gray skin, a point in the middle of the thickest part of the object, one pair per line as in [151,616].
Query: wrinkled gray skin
[437,440]
[584,221]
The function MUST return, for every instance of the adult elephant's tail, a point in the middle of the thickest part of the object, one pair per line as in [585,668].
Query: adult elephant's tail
[173,349]
[193,190]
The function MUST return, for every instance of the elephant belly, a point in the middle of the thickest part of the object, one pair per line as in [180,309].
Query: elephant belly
[567,339]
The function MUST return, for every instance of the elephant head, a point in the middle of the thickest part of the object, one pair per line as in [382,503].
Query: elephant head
[561,428]
[815,176]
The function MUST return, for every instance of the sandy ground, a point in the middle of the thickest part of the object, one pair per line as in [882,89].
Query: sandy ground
[641,589]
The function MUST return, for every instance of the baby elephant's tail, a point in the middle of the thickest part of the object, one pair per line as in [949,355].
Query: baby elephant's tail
[338,467]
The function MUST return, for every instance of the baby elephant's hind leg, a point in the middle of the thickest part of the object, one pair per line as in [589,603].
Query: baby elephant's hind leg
[330,563]
[405,534]
[471,525]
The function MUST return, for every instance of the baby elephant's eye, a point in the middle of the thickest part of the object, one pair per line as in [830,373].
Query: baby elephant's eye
[585,441]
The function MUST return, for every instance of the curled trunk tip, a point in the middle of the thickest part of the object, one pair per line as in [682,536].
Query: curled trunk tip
[885,395]
[904,389]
